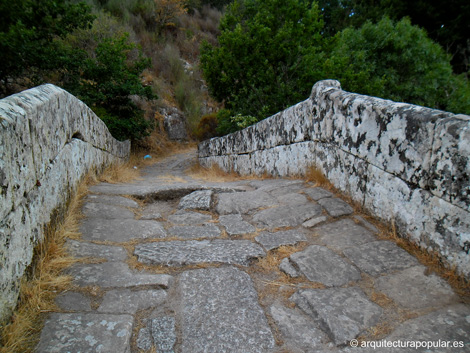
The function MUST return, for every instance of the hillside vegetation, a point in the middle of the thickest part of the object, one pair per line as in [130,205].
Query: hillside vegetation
[129,59]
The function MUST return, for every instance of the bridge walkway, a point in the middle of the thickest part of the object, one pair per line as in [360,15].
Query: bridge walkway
[172,263]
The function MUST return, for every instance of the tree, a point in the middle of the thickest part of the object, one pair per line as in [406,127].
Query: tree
[27,35]
[265,60]
[396,61]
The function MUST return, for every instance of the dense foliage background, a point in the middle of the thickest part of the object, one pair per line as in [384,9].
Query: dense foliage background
[127,59]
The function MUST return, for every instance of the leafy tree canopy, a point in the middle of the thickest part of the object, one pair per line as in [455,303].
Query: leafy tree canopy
[264,61]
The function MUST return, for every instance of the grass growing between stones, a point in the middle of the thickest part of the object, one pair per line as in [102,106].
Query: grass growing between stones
[216,174]
[45,281]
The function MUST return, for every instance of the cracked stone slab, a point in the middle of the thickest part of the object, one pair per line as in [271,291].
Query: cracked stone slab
[297,329]
[189,218]
[125,301]
[412,289]
[73,301]
[105,211]
[244,202]
[274,240]
[336,207]
[343,313]
[318,193]
[221,313]
[195,232]
[120,230]
[343,234]
[86,333]
[85,249]
[320,264]
[286,216]
[115,274]
[191,252]
[235,225]
[112,200]
[197,200]
[380,257]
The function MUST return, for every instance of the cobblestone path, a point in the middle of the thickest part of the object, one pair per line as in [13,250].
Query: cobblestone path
[273,265]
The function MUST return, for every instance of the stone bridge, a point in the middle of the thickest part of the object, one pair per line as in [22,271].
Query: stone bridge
[178,263]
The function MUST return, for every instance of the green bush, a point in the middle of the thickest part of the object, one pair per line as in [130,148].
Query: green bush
[265,60]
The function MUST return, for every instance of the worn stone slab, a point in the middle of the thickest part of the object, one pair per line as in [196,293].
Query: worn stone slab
[286,216]
[343,234]
[318,193]
[118,230]
[287,267]
[112,200]
[156,210]
[195,232]
[197,200]
[343,313]
[380,257]
[220,313]
[274,240]
[450,324]
[73,301]
[125,301]
[189,218]
[86,333]
[104,211]
[336,207]
[163,333]
[412,289]
[85,249]
[235,225]
[320,264]
[144,339]
[115,274]
[191,252]
[297,329]
[314,221]
[275,185]
[244,202]
[290,198]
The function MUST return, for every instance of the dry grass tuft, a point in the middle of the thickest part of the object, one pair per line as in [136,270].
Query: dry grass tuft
[46,280]
[315,175]
[216,174]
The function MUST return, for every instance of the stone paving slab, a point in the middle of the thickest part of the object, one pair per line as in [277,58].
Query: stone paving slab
[84,249]
[86,333]
[115,274]
[156,210]
[320,264]
[117,230]
[189,218]
[286,216]
[318,193]
[191,252]
[112,200]
[336,207]
[220,313]
[197,200]
[243,202]
[195,232]
[298,329]
[73,301]
[380,257]
[342,312]
[235,225]
[125,301]
[274,240]
[343,234]
[163,331]
[105,211]
[412,289]
[312,222]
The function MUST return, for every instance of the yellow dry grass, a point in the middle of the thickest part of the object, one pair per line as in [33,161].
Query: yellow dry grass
[216,174]
[315,175]
[45,281]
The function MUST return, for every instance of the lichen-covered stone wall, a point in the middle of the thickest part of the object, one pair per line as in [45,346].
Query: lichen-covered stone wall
[49,141]
[404,163]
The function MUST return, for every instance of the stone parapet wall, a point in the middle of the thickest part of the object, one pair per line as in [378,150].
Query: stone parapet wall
[49,141]
[404,163]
